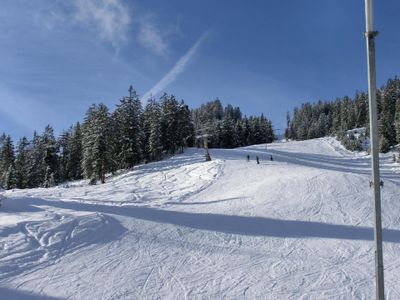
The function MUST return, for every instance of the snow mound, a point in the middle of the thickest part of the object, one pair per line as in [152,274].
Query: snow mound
[152,184]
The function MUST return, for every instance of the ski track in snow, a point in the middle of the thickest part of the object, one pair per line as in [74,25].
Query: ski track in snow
[297,227]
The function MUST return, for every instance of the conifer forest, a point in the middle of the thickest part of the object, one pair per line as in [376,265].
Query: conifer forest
[107,141]
[335,118]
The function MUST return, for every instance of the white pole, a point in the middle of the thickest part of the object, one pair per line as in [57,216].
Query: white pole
[370,38]
[369,16]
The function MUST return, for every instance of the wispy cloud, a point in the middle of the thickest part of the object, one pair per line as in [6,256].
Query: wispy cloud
[178,68]
[112,21]
[49,18]
[151,38]
[110,17]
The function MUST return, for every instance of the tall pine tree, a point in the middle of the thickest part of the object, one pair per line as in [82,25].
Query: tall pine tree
[96,158]
[7,159]
[127,120]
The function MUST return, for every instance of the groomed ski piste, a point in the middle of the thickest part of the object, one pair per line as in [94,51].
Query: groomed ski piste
[297,227]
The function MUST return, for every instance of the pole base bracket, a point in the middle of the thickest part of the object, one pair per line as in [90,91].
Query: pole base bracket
[371,34]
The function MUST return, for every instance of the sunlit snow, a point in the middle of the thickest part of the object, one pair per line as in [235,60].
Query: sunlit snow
[295,227]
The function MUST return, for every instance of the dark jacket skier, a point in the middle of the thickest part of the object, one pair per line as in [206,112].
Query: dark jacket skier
[258,160]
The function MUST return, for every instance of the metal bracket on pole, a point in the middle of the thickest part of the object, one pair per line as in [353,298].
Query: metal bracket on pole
[371,183]
[371,34]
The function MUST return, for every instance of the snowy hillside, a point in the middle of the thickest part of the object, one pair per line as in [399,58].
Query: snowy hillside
[297,227]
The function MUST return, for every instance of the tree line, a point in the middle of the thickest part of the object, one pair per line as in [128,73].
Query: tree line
[227,128]
[313,120]
[109,141]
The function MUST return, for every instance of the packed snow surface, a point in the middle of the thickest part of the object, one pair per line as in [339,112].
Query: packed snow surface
[295,227]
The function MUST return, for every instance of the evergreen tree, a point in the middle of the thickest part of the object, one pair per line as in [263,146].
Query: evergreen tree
[345,114]
[361,109]
[70,157]
[336,118]
[9,180]
[184,125]
[228,134]
[269,131]
[397,120]
[36,172]
[21,164]
[96,158]
[287,130]
[169,123]
[64,155]
[128,130]
[74,158]
[239,134]
[49,179]
[50,159]
[217,109]
[387,117]
[384,145]
[152,129]
[7,159]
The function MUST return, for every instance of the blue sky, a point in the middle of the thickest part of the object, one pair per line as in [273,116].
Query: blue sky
[58,57]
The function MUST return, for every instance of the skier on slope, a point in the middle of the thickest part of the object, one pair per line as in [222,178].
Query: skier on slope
[248,157]
[258,160]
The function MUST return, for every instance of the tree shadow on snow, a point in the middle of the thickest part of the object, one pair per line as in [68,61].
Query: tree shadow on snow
[242,225]
[19,205]
[11,294]
[205,202]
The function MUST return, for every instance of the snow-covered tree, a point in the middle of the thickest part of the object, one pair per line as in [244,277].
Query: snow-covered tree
[96,156]
[21,164]
[184,125]
[169,123]
[152,129]
[7,159]
[74,145]
[50,159]
[387,116]
[127,126]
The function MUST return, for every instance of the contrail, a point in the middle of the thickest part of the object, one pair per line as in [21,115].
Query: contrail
[179,67]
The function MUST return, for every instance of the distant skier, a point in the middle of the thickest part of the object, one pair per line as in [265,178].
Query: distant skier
[271,158]
[258,160]
[248,157]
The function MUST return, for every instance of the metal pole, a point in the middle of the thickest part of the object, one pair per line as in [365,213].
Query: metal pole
[370,38]
[208,157]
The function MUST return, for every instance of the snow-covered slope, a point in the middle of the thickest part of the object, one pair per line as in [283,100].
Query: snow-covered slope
[297,227]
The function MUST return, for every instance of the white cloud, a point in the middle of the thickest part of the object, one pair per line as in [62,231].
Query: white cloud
[110,17]
[150,37]
[178,68]
[111,20]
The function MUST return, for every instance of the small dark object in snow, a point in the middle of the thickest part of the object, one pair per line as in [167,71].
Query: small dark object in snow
[248,157]
[258,160]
